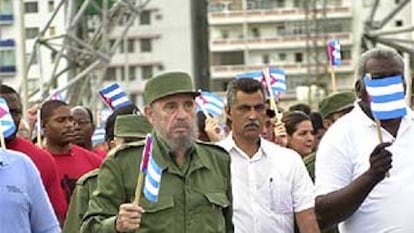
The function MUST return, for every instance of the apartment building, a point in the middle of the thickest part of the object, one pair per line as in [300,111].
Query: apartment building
[35,16]
[159,40]
[247,35]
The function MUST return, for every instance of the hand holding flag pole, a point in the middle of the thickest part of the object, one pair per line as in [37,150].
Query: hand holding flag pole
[144,165]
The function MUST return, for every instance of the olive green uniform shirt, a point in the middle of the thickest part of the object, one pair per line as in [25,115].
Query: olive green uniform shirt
[85,185]
[195,198]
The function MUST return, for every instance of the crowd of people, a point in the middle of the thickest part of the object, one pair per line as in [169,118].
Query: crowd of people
[262,171]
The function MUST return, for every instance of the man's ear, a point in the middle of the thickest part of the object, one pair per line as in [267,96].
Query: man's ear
[149,114]
[326,123]
[228,111]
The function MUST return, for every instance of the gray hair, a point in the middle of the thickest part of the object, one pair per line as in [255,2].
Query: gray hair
[381,54]
[247,85]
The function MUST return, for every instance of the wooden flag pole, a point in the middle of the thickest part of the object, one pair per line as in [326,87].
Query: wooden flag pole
[272,101]
[39,129]
[378,127]
[138,189]
[333,78]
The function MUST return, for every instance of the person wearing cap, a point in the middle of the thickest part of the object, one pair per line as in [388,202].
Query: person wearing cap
[128,128]
[361,183]
[195,188]
[335,106]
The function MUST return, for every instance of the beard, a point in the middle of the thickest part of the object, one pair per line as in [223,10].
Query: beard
[182,141]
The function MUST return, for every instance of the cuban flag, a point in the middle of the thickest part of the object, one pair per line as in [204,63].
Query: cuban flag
[6,120]
[387,97]
[98,136]
[277,79]
[334,52]
[210,102]
[57,95]
[114,96]
[151,170]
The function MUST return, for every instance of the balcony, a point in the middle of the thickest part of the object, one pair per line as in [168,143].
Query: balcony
[277,42]
[291,68]
[274,15]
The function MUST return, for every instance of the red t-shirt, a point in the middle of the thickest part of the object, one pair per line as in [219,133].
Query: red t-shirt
[73,165]
[101,153]
[48,172]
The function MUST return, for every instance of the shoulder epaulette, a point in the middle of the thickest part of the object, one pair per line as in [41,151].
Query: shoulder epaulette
[89,175]
[126,146]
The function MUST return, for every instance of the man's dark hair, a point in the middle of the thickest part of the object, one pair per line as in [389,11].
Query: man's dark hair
[90,114]
[46,111]
[110,122]
[301,107]
[4,89]
[317,121]
[246,85]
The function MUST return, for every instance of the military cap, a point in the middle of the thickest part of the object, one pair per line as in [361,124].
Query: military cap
[168,84]
[132,125]
[336,102]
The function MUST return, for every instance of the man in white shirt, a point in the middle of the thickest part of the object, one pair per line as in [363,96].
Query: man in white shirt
[270,183]
[351,164]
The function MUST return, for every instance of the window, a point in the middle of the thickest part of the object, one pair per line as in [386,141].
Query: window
[255,32]
[282,56]
[122,71]
[132,73]
[224,34]
[121,46]
[110,74]
[266,59]
[131,45]
[7,57]
[146,72]
[51,6]
[399,23]
[146,45]
[145,18]
[298,57]
[30,7]
[346,54]
[397,2]
[31,33]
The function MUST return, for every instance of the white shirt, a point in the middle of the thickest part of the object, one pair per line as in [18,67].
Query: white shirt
[267,188]
[343,155]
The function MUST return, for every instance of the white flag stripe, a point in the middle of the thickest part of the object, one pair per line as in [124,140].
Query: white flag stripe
[153,173]
[215,101]
[214,109]
[389,106]
[387,90]
[120,101]
[113,93]
[150,188]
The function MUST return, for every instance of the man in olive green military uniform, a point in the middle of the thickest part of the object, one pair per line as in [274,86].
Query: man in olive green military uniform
[128,128]
[195,188]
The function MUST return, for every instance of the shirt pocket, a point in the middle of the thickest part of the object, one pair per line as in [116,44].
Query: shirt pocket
[280,196]
[163,209]
[213,212]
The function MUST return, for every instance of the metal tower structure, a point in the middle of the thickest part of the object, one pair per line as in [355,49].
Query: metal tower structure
[85,49]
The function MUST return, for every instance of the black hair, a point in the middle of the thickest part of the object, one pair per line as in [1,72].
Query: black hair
[301,107]
[4,89]
[46,111]
[317,122]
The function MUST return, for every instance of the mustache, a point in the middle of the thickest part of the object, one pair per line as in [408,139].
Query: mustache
[252,123]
